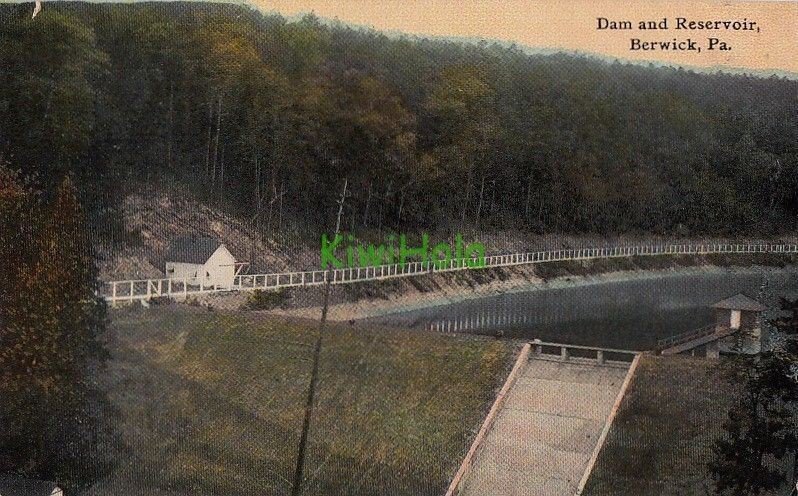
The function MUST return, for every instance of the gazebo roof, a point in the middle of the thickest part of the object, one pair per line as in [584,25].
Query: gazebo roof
[740,302]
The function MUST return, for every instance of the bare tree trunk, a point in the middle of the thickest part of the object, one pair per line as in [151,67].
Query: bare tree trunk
[221,176]
[256,223]
[280,214]
[540,211]
[207,170]
[296,487]
[170,132]
[257,193]
[271,205]
[401,205]
[379,211]
[527,209]
[491,211]
[774,179]
[218,132]
[479,205]
[368,203]
[465,202]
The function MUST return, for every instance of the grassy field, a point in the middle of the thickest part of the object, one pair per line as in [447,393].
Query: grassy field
[662,438]
[212,403]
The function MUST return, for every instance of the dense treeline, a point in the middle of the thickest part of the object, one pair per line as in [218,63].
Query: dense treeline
[55,418]
[267,117]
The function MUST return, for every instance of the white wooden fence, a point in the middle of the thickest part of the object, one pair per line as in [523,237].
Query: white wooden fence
[146,289]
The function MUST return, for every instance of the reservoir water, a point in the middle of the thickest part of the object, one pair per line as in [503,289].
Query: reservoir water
[629,313]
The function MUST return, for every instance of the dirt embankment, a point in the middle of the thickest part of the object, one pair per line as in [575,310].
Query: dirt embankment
[152,221]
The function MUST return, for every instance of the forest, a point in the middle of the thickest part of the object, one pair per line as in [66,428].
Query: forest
[258,114]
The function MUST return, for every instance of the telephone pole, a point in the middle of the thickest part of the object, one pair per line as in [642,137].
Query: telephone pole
[296,488]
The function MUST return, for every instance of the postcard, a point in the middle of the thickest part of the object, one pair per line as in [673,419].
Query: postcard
[399,248]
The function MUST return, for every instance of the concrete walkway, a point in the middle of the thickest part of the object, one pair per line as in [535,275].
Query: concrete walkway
[543,438]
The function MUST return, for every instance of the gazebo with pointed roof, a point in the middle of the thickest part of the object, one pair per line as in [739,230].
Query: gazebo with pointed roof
[740,302]
[743,313]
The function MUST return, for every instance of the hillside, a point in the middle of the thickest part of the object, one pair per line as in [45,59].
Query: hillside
[253,113]
[154,217]
[153,220]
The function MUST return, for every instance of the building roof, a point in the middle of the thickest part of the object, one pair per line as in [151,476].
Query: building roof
[740,302]
[17,486]
[191,249]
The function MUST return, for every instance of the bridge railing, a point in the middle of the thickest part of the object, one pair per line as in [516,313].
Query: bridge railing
[145,289]
[679,339]
[686,336]
[569,352]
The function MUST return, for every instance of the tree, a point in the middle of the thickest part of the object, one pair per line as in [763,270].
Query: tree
[51,123]
[444,134]
[759,450]
[462,102]
[51,322]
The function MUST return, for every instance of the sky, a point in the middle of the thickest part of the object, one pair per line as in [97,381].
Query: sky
[572,25]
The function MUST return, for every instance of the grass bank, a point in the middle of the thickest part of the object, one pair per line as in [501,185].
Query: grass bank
[212,403]
[661,440]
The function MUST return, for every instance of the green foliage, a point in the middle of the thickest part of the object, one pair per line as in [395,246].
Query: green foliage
[252,112]
[50,326]
[47,92]
[759,449]
[266,300]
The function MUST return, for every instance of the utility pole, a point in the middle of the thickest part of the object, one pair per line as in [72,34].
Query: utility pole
[296,489]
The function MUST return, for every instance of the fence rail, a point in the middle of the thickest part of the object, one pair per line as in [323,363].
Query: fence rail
[146,289]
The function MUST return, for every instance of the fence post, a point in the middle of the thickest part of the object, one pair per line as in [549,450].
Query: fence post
[600,357]
[564,353]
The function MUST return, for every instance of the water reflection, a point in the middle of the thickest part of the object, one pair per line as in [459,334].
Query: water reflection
[630,314]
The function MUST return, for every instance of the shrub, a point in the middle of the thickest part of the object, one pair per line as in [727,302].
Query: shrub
[266,300]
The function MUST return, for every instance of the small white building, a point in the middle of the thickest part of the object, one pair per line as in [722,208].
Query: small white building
[201,261]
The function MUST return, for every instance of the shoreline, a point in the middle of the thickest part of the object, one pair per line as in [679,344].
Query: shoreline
[526,281]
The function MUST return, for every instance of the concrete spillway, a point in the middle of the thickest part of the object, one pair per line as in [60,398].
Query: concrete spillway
[543,438]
